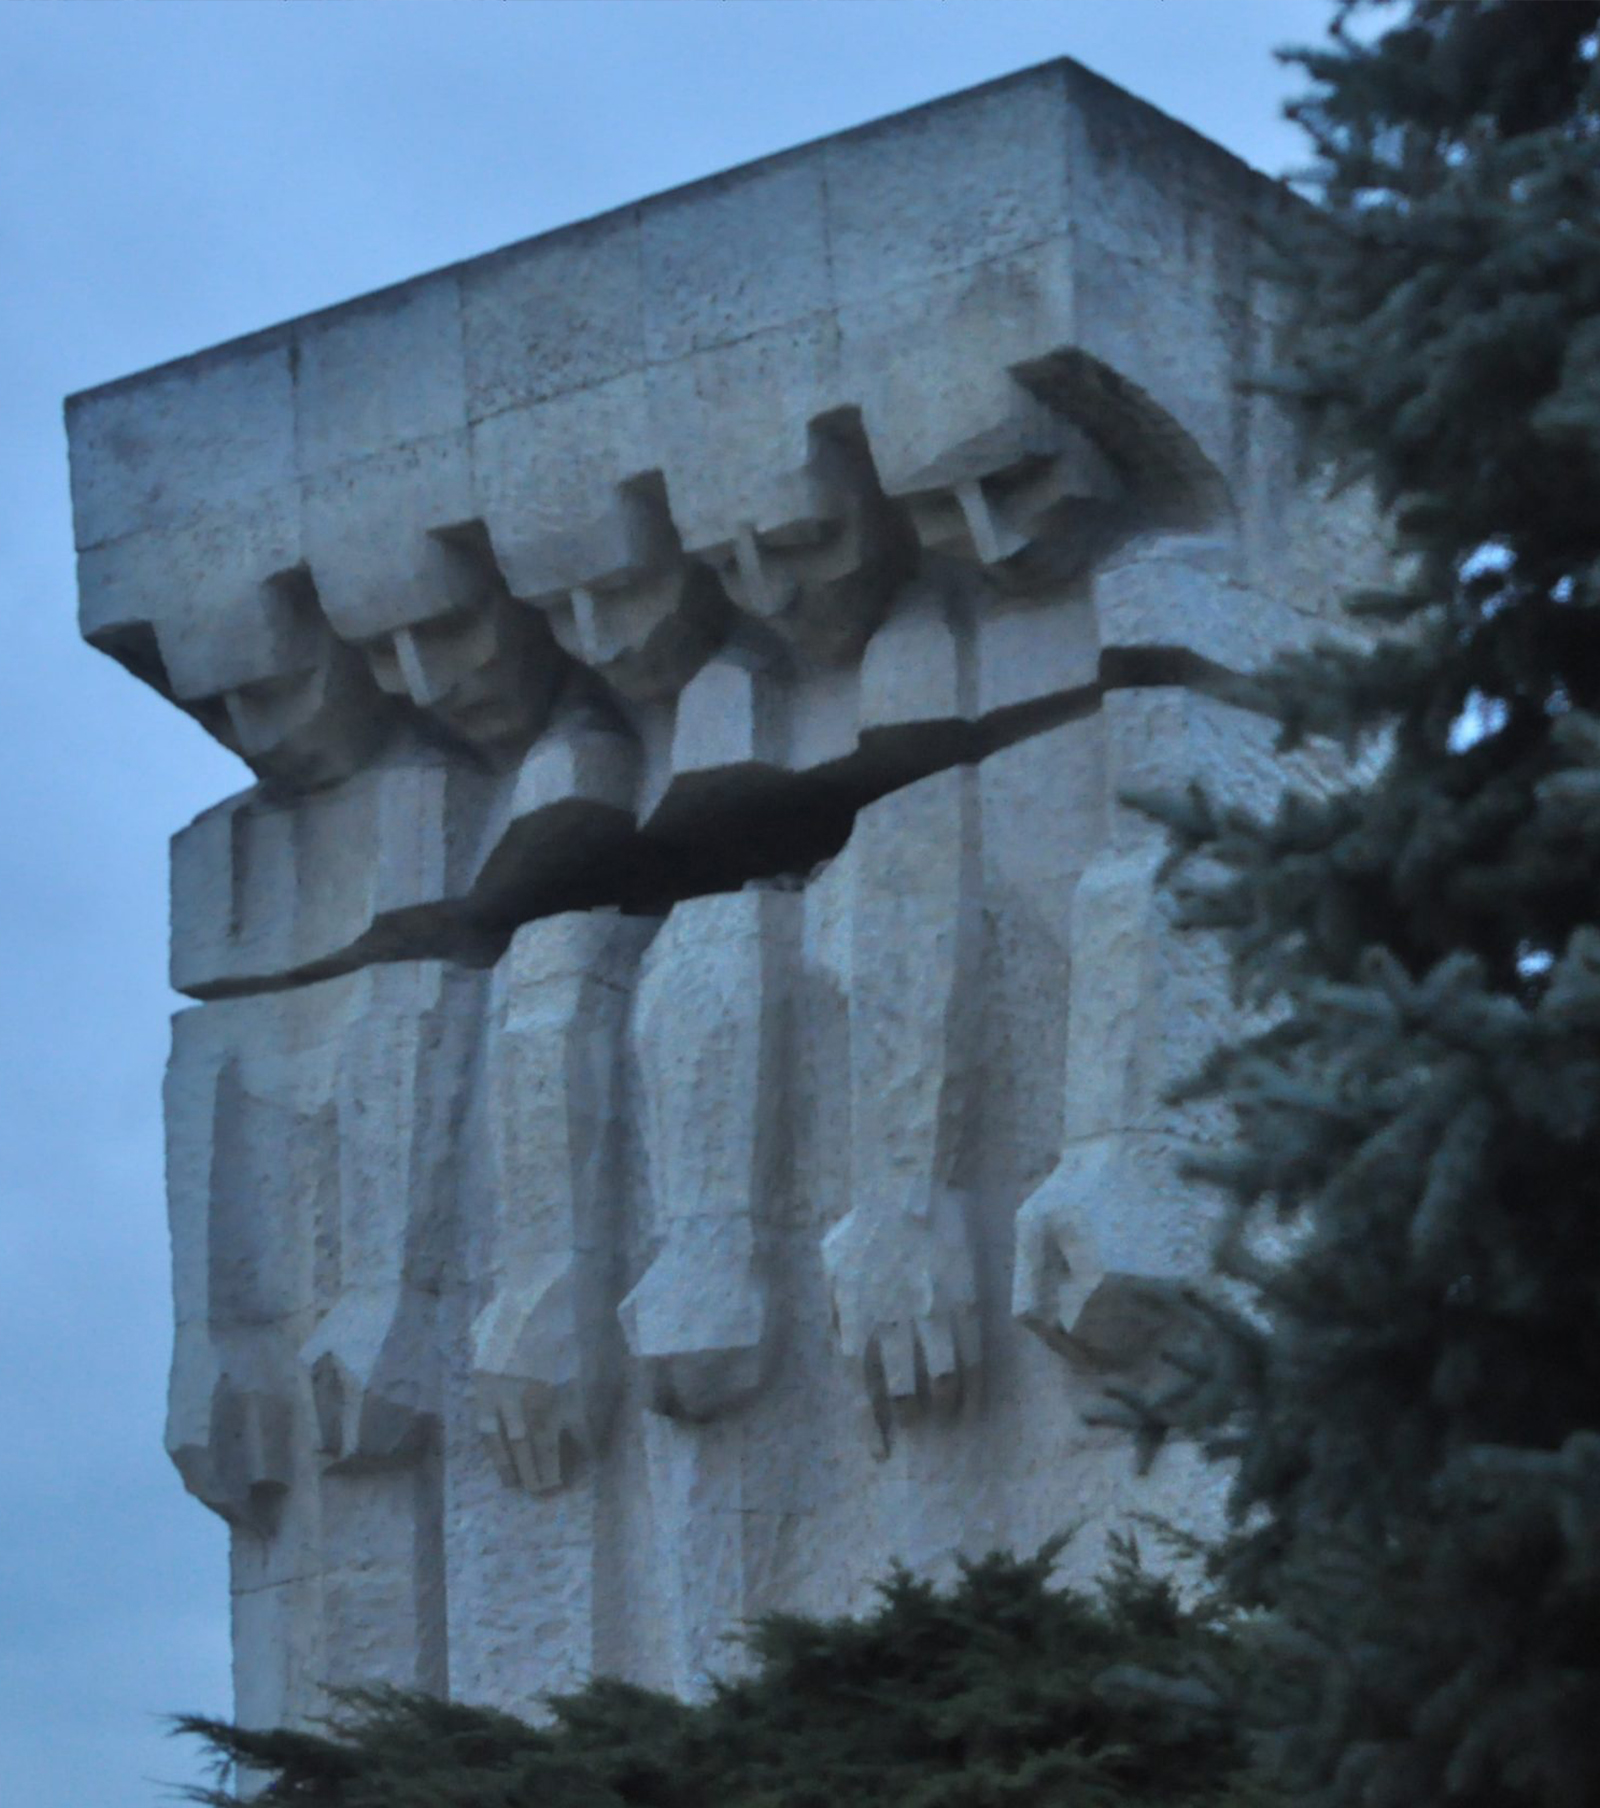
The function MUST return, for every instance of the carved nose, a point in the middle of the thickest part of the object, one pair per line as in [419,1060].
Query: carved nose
[422,689]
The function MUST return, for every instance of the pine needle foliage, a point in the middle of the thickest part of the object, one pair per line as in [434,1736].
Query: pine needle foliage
[1412,1393]
[1001,1691]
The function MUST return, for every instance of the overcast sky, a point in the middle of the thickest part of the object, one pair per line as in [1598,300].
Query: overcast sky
[174,173]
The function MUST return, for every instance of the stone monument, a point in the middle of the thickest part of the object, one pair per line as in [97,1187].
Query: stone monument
[671,1117]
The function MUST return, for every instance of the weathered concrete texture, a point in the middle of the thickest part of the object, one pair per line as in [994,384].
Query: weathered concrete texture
[676,1117]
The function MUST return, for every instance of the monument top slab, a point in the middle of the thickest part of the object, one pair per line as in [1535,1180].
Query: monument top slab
[1073,110]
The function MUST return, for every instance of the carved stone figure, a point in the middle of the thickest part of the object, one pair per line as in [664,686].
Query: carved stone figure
[673,1115]
[706,1033]
[900,1263]
[310,1154]
[544,1356]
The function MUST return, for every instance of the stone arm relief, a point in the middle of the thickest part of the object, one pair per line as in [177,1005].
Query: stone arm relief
[707,1025]
[373,1358]
[232,1385]
[1104,1238]
[1082,1279]
[544,1369]
[900,1264]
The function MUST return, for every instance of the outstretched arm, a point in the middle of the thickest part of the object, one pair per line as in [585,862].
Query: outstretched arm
[1108,1233]
[543,1346]
[231,1201]
[899,1263]
[403,1035]
[706,1030]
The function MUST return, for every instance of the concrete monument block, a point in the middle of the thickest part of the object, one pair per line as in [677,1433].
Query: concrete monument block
[381,374]
[266,888]
[947,188]
[556,314]
[687,1008]
[565,817]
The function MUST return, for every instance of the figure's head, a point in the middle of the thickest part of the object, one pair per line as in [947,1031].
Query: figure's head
[484,671]
[264,673]
[309,728]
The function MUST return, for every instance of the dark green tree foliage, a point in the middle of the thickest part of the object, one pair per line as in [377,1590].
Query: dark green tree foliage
[1414,1400]
[1001,1692]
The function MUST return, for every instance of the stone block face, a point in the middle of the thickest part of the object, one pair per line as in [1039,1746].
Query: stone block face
[735,256]
[562,313]
[212,433]
[675,1113]
[948,187]
[386,374]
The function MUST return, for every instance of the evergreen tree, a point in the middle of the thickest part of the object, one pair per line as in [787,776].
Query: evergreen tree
[1001,1692]
[1412,1392]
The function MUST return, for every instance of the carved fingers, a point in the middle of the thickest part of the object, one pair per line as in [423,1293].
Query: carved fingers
[533,1405]
[371,1363]
[1078,1284]
[697,1320]
[905,1302]
[228,1421]
[521,1425]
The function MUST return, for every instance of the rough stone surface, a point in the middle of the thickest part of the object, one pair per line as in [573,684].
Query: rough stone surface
[675,1113]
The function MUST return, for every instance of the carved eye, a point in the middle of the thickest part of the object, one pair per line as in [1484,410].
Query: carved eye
[466,637]
[262,712]
[263,695]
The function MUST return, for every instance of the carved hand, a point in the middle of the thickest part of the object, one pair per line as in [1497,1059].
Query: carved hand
[1076,1285]
[528,1376]
[372,1376]
[905,1301]
[697,1321]
[228,1420]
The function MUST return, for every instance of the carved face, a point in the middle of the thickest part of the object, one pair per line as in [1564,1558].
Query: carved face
[306,729]
[485,673]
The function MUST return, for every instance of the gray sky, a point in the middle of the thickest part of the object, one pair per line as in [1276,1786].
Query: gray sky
[173,174]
